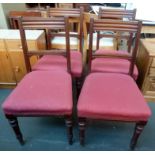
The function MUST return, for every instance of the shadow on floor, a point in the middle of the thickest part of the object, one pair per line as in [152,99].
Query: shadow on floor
[45,133]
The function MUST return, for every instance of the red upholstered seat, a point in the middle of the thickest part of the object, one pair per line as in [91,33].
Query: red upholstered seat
[112,64]
[55,62]
[41,93]
[112,96]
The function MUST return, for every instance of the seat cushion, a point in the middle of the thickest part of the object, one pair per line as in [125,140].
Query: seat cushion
[55,62]
[41,93]
[112,64]
[112,96]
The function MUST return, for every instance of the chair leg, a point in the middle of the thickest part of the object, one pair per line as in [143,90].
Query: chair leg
[69,126]
[78,86]
[82,126]
[138,130]
[14,124]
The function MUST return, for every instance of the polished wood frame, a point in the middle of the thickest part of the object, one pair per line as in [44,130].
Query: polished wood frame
[117,14]
[132,27]
[48,24]
[76,18]
[75,15]
[14,14]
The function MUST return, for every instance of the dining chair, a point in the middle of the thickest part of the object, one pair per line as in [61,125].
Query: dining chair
[58,42]
[76,27]
[13,14]
[111,64]
[109,43]
[117,14]
[42,93]
[110,95]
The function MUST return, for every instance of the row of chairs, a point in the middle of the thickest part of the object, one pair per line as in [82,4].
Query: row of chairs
[78,42]
[79,18]
[107,94]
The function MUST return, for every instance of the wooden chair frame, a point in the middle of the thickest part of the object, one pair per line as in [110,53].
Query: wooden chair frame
[50,24]
[118,26]
[75,16]
[14,14]
[117,14]
[107,25]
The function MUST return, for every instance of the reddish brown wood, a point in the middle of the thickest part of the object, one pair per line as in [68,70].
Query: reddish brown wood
[130,42]
[113,55]
[90,44]
[72,13]
[14,14]
[82,126]
[47,52]
[79,82]
[50,26]
[138,130]
[24,45]
[37,23]
[14,124]
[133,28]
[135,49]
[98,40]
[68,46]
[117,14]
[69,125]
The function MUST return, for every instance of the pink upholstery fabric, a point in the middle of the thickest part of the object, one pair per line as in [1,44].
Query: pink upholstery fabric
[41,93]
[112,65]
[55,62]
[113,97]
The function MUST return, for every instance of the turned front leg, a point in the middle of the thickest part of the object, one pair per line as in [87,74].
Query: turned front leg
[69,125]
[82,126]
[14,124]
[138,130]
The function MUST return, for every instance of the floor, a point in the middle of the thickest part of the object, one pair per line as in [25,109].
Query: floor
[50,133]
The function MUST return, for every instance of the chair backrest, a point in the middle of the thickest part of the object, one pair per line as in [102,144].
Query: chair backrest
[52,25]
[75,16]
[14,14]
[127,27]
[119,14]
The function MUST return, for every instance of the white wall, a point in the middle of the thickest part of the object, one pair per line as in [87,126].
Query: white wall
[3,23]
[5,8]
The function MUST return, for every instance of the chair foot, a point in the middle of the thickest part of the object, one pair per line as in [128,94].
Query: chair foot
[82,125]
[69,126]
[138,130]
[14,124]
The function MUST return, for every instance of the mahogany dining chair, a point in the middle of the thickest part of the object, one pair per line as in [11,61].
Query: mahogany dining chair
[42,93]
[111,95]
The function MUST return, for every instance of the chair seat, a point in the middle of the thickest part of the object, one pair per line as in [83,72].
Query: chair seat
[55,62]
[41,93]
[112,64]
[112,96]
